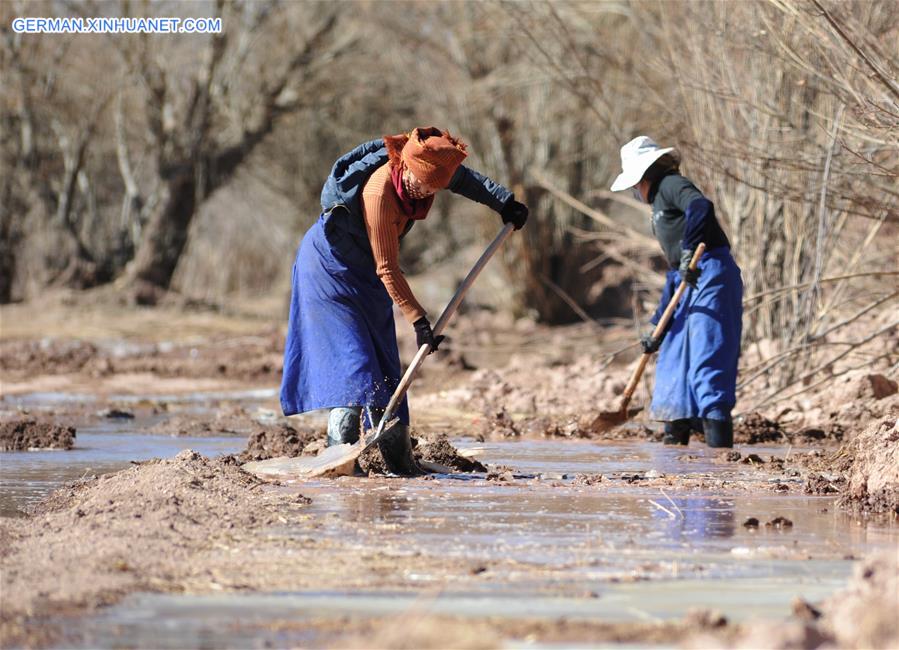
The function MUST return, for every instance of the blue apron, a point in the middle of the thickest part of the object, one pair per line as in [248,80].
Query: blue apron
[696,371]
[341,345]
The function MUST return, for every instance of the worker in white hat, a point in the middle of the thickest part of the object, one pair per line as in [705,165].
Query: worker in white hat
[696,373]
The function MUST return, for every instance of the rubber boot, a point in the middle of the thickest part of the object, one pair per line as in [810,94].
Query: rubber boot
[396,448]
[343,425]
[718,433]
[677,432]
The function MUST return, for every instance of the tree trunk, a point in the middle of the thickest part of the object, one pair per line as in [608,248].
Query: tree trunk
[8,244]
[165,238]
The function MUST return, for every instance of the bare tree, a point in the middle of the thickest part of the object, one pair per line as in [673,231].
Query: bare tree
[237,93]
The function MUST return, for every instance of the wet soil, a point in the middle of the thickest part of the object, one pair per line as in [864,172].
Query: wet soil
[194,525]
[224,420]
[25,434]
[141,528]
[438,449]
[863,615]
[251,357]
[873,468]
[280,440]
[204,527]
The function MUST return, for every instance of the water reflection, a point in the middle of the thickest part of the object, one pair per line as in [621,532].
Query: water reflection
[376,506]
[693,519]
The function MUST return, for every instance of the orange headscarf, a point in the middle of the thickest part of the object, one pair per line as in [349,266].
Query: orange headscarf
[429,153]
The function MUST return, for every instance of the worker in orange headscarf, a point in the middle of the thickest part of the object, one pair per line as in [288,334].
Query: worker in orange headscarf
[341,351]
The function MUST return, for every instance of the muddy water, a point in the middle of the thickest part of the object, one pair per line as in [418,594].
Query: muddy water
[539,547]
[28,476]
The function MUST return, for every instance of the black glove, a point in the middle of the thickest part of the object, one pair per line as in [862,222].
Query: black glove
[688,275]
[650,344]
[424,334]
[515,213]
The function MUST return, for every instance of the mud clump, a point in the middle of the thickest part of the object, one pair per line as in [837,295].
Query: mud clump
[754,428]
[588,480]
[371,462]
[501,474]
[429,449]
[821,484]
[873,473]
[439,450]
[876,387]
[274,442]
[779,522]
[115,414]
[499,424]
[22,435]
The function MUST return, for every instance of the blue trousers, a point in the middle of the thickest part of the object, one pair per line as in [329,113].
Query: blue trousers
[696,371]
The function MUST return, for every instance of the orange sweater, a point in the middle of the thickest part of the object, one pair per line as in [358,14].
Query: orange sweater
[385,221]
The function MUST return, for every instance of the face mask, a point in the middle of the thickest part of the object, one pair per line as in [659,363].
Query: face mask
[637,195]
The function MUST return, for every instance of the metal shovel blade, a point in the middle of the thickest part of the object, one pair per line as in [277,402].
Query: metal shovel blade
[608,420]
[335,461]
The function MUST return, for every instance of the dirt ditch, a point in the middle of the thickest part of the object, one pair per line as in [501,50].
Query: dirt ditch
[191,524]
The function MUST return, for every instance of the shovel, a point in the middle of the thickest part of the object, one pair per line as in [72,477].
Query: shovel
[607,420]
[340,459]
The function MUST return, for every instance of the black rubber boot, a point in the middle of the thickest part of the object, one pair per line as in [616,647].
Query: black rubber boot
[718,433]
[343,425]
[677,432]
[396,448]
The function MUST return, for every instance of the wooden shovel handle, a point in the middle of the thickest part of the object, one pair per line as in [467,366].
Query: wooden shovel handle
[448,312]
[659,330]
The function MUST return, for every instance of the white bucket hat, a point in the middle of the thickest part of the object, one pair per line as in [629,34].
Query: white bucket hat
[636,157]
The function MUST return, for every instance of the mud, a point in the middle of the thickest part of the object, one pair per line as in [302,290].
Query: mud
[754,428]
[432,448]
[191,525]
[499,424]
[438,449]
[281,440]
[532,387]
[371,463]
[432,633]
[245,358]
[284,440]
[873,473]
[843,408]
[199,526]
[863,615]
[25,434]
[142,528]
[225,421]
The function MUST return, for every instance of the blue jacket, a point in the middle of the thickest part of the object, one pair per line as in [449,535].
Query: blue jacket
[342,192]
